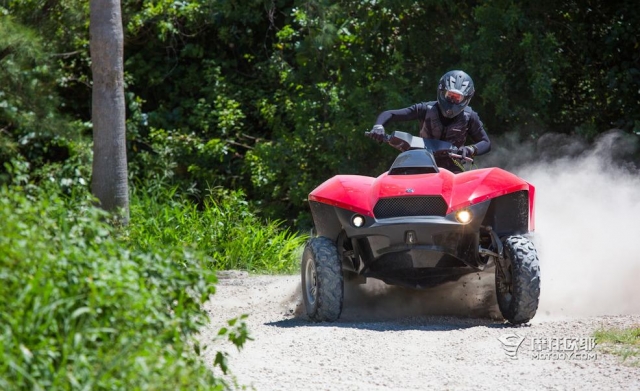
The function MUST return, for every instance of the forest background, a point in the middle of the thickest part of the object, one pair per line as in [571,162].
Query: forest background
[270,98]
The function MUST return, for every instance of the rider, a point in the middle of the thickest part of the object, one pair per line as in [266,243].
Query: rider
[449,119]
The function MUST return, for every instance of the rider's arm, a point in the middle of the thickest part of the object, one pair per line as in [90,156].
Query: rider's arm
[416,111]
[478,135]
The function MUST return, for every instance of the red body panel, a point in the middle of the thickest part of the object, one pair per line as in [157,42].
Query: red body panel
[360,193]
[349,192]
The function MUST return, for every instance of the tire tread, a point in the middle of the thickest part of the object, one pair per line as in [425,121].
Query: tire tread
[330,292]
[525,268]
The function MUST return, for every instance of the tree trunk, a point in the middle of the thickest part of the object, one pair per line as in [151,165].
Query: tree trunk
[109,180]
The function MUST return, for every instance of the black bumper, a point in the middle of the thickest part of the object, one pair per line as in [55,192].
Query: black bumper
[416,251]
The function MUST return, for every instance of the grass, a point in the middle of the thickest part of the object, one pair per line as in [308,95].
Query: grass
[223,227]
[621,342]
[80,309]
[86,305]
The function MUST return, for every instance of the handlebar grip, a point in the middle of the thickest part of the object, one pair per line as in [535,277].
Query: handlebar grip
[387,137]
[455,155]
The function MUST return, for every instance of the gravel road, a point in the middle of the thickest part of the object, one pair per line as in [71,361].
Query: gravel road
[447,338]
[450,338]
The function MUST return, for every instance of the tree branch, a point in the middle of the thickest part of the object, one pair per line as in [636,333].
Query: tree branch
[67,55]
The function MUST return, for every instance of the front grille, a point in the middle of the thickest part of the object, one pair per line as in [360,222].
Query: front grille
[410,206]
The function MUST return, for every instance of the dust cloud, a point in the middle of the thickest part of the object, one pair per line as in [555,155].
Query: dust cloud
[587,223]
[587,236]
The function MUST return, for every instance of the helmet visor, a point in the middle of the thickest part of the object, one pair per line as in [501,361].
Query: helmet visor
[454,97]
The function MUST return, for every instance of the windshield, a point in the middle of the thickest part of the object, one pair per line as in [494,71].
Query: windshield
[437,145]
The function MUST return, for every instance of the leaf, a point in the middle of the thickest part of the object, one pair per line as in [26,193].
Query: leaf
[80,311]
[222,362]
[26,353]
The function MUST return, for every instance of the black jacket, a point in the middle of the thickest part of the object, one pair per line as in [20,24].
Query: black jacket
[435,126]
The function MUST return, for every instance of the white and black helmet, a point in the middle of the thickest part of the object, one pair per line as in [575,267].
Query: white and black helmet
[455,90]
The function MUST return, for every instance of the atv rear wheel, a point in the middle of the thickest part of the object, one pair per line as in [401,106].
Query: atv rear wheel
[518,280]
[322,281]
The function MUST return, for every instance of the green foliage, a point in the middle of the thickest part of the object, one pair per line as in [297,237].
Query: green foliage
[166,15]
[82,310]
[517,59]
[223,226]
[272,98]
[32,126]
[62,28]
[599,91]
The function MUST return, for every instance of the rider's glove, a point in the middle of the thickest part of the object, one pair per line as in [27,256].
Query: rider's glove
[377,133]
[468,151]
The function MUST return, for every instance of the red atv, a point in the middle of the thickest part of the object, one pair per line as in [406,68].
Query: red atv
[419,225]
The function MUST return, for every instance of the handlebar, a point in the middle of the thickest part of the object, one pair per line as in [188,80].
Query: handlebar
[453,153]
[387,137]
[458,156]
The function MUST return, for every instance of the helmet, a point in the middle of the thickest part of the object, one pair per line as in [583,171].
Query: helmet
[455,90]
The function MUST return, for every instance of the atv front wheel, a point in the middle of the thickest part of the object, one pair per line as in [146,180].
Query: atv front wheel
[322,281]
[518,280]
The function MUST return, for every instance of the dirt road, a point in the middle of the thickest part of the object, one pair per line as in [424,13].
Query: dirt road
[448,338]
[396,339]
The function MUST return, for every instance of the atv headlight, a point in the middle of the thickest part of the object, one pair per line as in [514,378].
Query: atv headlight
[357,221]
[463,216]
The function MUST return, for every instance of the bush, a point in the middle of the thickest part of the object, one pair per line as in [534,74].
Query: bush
[223,226]
[81,309]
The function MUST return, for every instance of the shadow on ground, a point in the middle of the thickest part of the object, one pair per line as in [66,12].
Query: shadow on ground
[468,302]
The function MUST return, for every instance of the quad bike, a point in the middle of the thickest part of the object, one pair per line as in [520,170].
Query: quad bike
[419,225]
